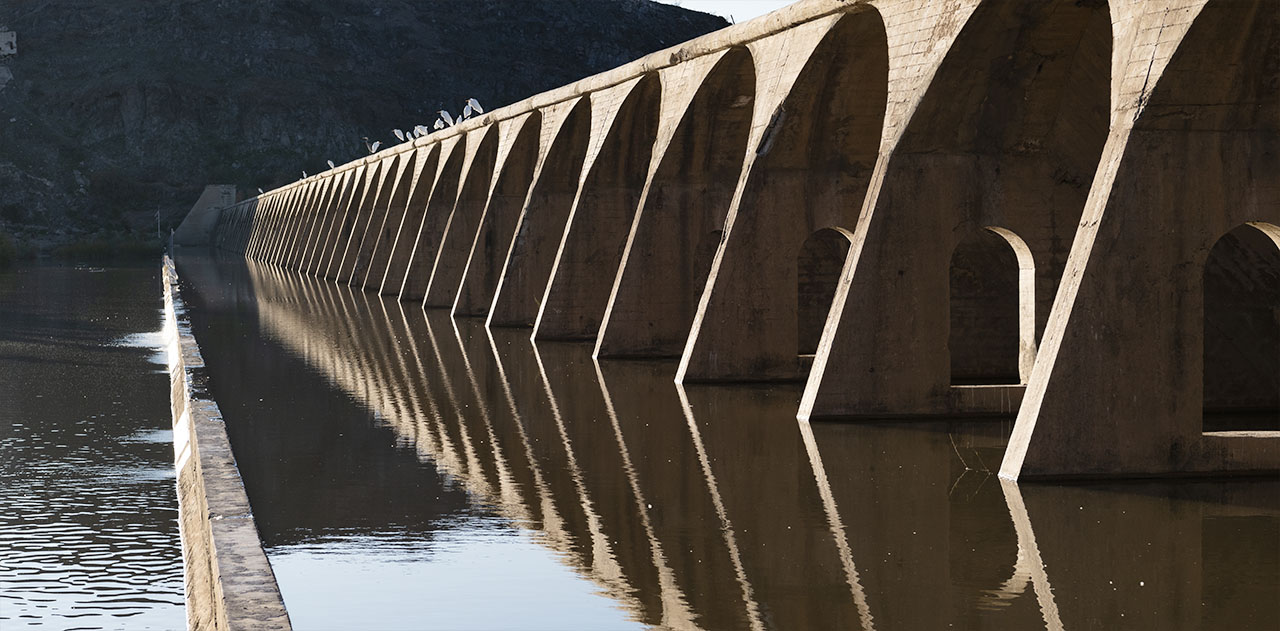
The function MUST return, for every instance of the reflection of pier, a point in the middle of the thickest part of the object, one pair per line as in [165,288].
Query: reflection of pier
[706,506]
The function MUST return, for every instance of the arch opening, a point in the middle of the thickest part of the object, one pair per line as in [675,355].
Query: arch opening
[992,339]
[819,263]
[1242,330]
[682,218]
[492,240]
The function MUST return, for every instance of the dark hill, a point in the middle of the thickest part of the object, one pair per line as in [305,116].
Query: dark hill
[119,108]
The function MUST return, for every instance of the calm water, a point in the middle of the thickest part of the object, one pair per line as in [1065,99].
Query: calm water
[409,471]
[88,511]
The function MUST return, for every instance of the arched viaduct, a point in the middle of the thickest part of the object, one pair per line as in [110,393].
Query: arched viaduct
[1063,209]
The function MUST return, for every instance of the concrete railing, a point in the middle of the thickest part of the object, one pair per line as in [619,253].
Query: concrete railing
[229,583]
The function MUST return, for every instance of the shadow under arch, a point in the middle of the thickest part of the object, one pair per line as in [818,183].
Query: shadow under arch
[359,220]
[388,222]
[463,222]
[577,290]
[678,226]
[811,169]
[820,260]
[1242,330]
[362,244]
[492,239]
[410,218]
[992,307]
[430,232]
[541,224]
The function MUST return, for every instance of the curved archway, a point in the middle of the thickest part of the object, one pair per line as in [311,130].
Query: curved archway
[541,224]
[1242,329]
[577,290]
[992,309]
[424,173]
[369,226]
[444,194]
[389,222]
[811,168]
[460,230]
[492,239]
[681,220]
[820,261]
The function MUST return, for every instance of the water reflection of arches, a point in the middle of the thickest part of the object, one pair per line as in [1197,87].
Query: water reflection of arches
[1242,329]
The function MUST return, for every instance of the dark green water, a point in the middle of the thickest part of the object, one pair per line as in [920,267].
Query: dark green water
[88,512]
[412,471]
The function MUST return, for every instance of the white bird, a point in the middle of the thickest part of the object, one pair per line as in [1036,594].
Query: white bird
[439,124]
[399,134]
[374,148]
[260,192]
[330,163]
[466,111]
[475,106]
[304,175]
[366,143]
[447,118]
[421,130]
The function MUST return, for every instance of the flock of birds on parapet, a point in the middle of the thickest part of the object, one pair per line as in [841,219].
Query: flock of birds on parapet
[471,108]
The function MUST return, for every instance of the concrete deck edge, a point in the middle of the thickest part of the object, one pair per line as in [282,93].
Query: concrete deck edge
[228,581]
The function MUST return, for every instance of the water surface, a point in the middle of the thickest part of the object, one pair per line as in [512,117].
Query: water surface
[412,471]
[88,511]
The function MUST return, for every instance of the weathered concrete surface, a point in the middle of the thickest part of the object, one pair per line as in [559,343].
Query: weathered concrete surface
[198,227]
[229,583]
[917,207]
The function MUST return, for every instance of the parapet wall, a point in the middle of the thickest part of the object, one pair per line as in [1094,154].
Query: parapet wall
[229,583]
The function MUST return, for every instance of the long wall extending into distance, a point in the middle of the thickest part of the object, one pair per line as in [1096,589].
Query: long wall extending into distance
[1067,210]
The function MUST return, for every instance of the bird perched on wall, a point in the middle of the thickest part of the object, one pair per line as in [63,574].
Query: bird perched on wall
[304,175]
[399,134]
[439,125]
[260,192]
[374,148]
[330,163]
[420,131]
[366,143]
[446,117]
[475,106]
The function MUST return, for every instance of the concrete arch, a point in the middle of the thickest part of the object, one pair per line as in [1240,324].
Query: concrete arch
[324,221]
[1008,133]
[464,220]
[389,222]
[820,259]
[392,190]
[992,309]
[340,215]
[685,203]
[595,232]
[810,169]
[261,217]
[555,184]
[302,221]
[1202,157]
[411,216]
[375,194]
[1242,329]
[502,211]
[444,194]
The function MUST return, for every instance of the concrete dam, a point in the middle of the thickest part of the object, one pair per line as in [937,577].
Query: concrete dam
[1063,210]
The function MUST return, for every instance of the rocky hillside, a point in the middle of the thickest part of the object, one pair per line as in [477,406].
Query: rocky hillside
[118,109]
